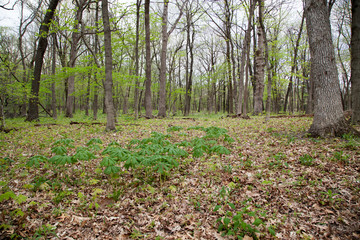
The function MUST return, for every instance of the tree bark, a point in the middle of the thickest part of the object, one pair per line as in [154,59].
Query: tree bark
[53,72]
[355,61]
[137,37]
[260,66]
[33,112]
[244,54]
[148,105]
[108,84]
[328,115]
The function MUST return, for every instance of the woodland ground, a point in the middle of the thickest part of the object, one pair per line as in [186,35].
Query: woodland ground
[275,183]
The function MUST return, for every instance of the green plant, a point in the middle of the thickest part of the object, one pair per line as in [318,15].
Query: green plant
[174,128]
[329,196]
[306,160]
[277,161]
[340,157]
[44,231]
[246,221]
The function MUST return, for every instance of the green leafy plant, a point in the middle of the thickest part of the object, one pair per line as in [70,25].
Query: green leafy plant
[246,221]
[306,160]
[174,128]
[278,161]
[329,196]
[340,157]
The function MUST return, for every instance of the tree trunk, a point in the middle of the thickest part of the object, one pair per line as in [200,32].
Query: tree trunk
[260,66]
[162,85]
[96,46]
[33,113]
[53,72]
[355,61]
[328,115]
[137,84]
[75,37]
[109,104]
[293,66]
[244,54]
[189,62]
[148,106]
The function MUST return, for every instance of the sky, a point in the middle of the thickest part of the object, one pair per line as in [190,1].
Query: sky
[9,18]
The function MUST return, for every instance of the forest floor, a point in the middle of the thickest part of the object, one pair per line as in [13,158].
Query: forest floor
[197,178]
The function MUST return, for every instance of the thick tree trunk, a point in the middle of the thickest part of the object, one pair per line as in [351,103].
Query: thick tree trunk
[260,67]
[148,105]
[355,61]
[33,113]
[109,103]
[328,115]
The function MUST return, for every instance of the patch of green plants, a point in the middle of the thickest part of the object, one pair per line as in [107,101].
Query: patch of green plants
[306,160]
[247,220]
[329,197]
[351,142]
[45,231]
[278,161]
[154,154]
[339,156]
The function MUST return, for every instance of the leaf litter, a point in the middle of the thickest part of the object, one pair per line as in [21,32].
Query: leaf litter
[274,184]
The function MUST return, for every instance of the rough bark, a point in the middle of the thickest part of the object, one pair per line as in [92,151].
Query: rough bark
[108,84]
[33,112]
[260,66]
[355,61]
[162,85]
[328,113]
[148,105]
[244,54]
[137,37]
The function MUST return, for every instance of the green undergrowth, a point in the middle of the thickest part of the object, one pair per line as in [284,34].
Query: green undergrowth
[195,177]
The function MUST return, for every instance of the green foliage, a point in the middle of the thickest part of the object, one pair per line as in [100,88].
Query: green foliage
[66,142]
[44,231]
[36,160]
[246,221]
[11,195]
[306,160]
[174,128]
[278,161]
[340,157]
[351,142]
[83,154]
[62,160]
[59,150]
